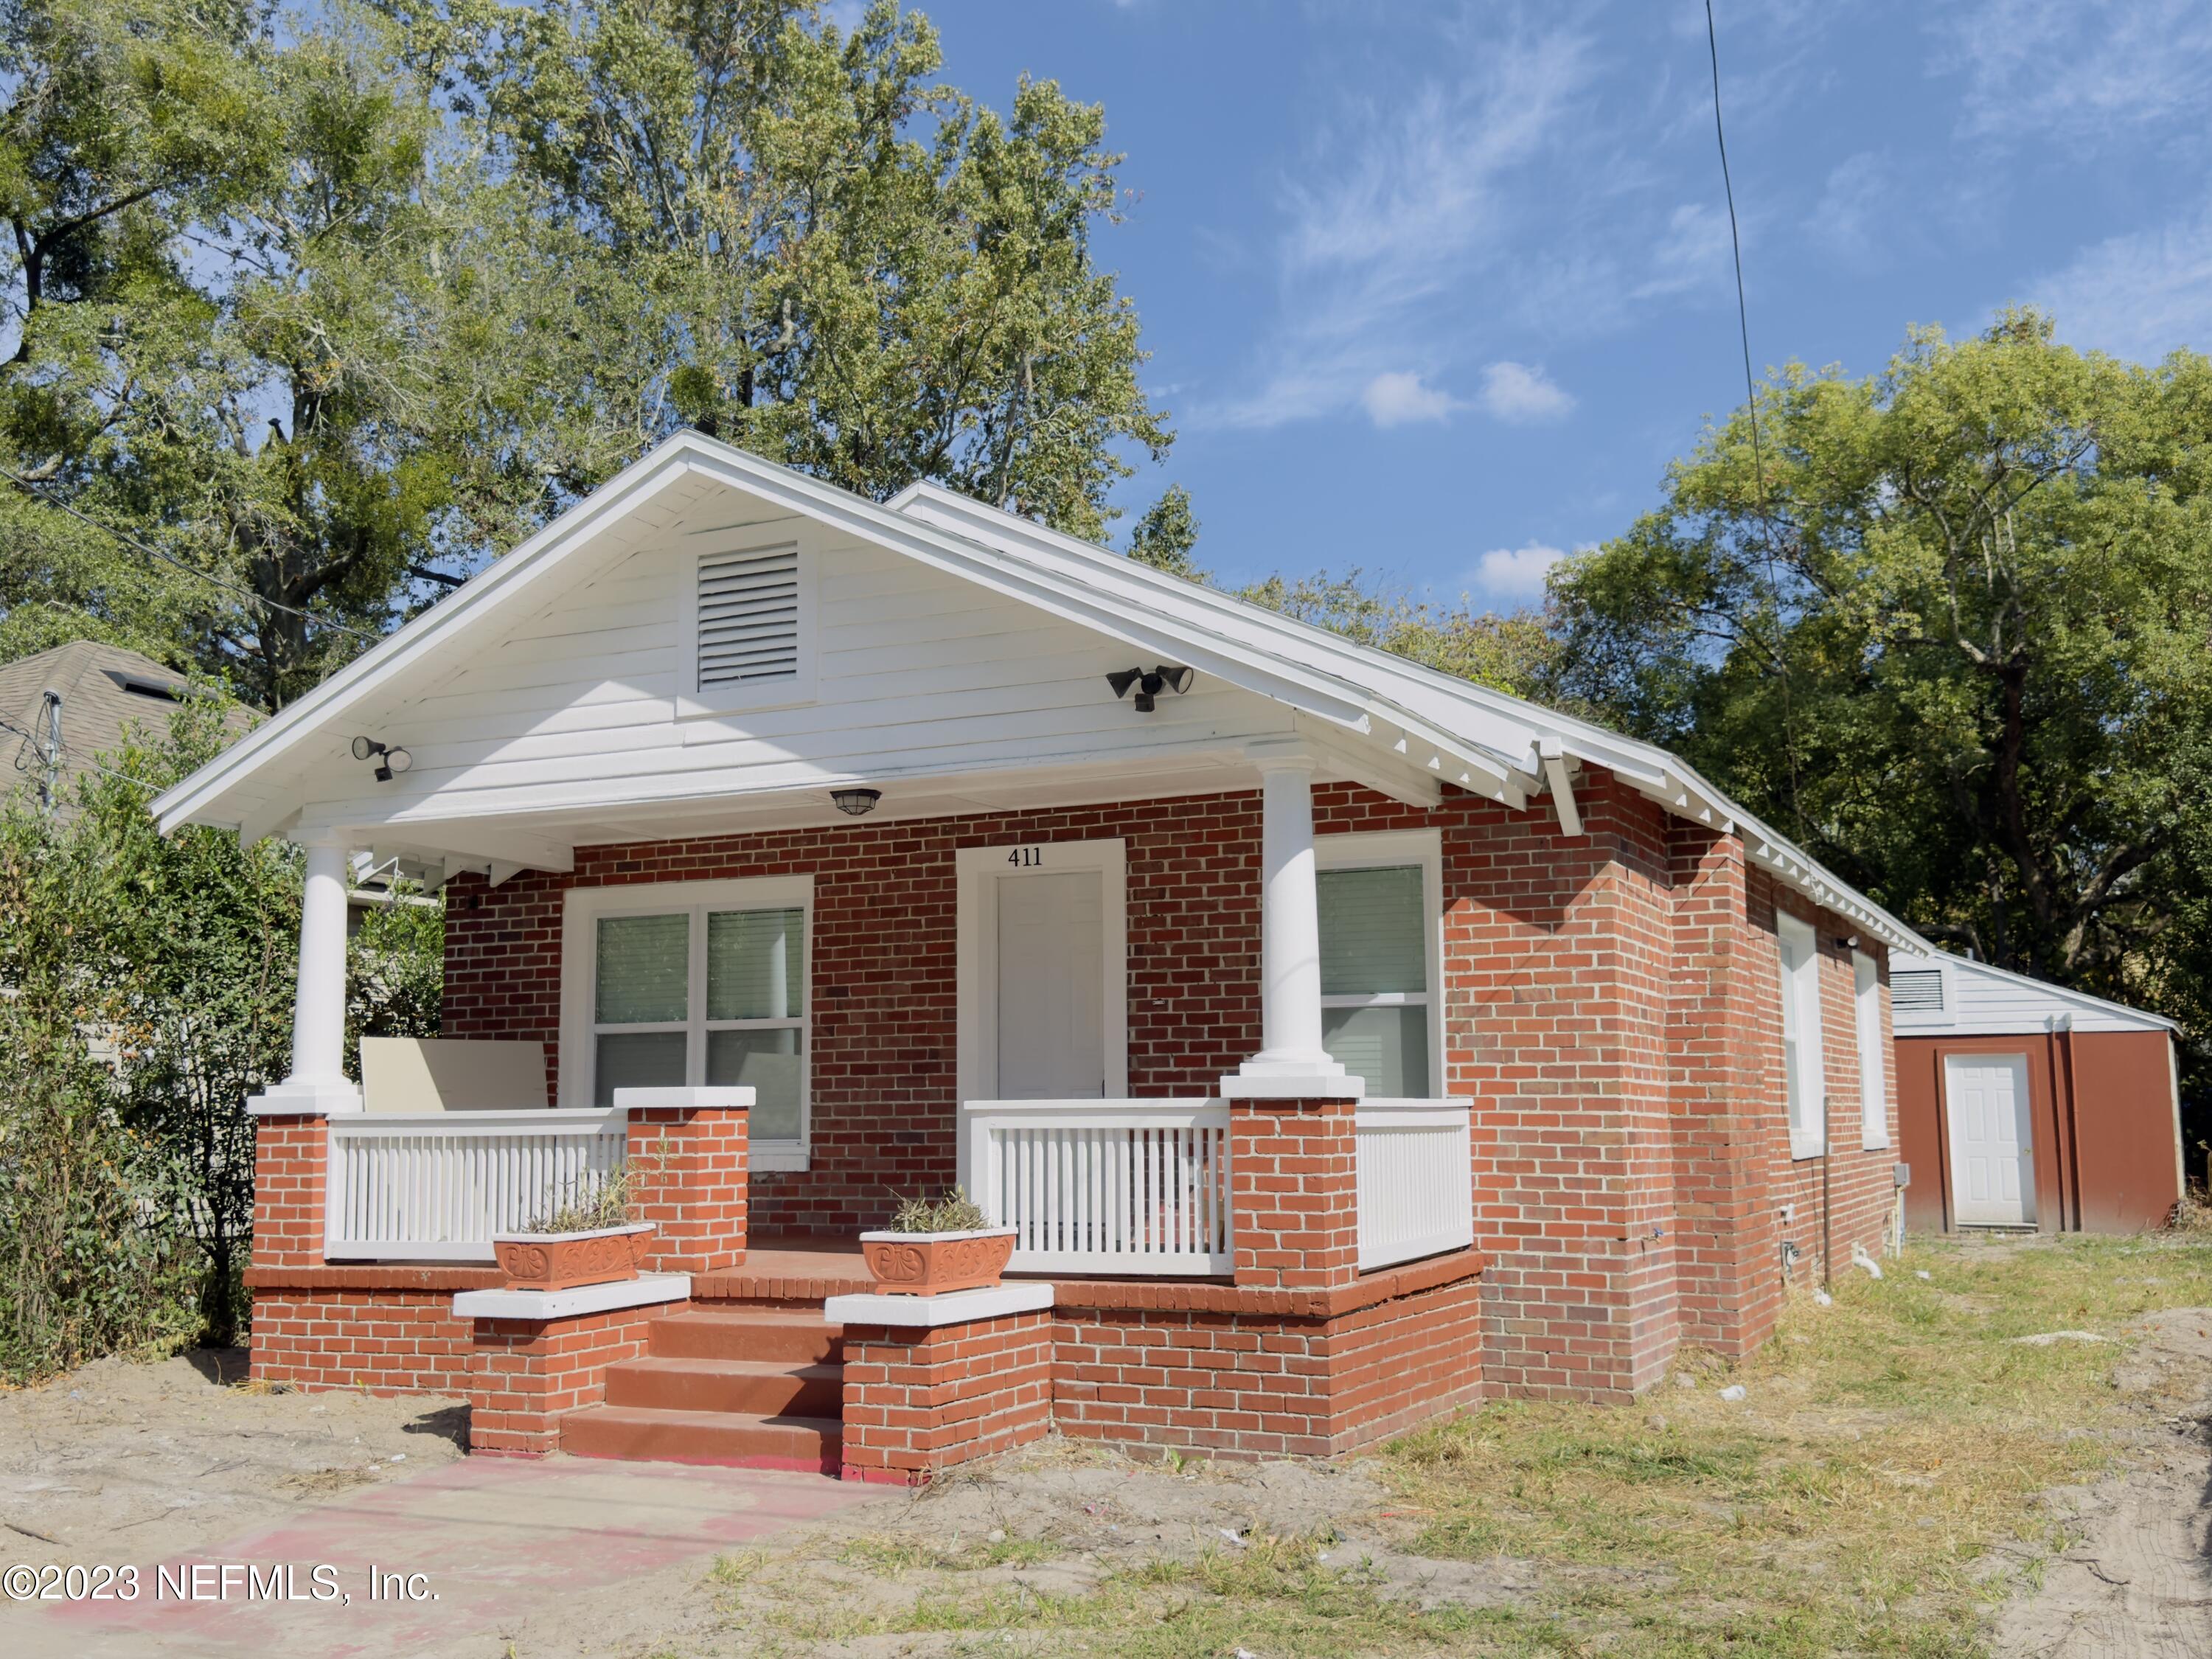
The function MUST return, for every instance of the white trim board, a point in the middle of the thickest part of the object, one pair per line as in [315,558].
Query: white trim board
[977,871]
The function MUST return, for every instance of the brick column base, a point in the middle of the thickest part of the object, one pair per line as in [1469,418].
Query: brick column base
[525,1373]
[919,1399]
[688,1177]
[291,1159]
[1294,1198]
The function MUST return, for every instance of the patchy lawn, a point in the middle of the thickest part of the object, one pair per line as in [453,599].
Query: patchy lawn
[1877,1491]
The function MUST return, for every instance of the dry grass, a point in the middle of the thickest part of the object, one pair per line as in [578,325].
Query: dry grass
[1873,1494]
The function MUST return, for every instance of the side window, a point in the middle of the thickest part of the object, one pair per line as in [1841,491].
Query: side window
[1801,1034]
[1874,1087]
[1376,1000]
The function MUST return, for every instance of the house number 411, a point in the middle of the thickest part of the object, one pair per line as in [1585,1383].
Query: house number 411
[1026,858]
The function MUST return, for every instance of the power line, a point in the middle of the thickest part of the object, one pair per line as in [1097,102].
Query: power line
[1751,399]
[37,492]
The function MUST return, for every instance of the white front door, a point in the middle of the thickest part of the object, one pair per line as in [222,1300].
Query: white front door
[1052,1025]
[1992,1146]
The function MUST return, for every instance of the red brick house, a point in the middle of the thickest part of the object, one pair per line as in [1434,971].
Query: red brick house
[1346,1041]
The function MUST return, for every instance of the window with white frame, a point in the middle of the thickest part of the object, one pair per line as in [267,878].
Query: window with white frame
[1381,953]
[1873,1088]
[1801,1035]
[692,985]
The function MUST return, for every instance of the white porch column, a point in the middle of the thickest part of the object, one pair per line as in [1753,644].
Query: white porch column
[318,1082]
[1289,927]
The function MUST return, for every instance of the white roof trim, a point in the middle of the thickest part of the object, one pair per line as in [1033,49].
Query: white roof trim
[1948,962]
[1442,728]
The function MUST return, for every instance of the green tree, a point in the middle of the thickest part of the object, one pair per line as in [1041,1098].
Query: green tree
[798,240]
[1948,626]
[1513,653]
[1163,537]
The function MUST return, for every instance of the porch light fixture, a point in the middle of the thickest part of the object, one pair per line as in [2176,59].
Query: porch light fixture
[856,803]
[390,761]
[1150,683]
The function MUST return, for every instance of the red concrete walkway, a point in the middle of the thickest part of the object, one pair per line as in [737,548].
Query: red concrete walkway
[497,1541]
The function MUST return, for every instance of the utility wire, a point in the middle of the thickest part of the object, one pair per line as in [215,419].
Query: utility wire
[38,492]
[1751,397]
[28,737]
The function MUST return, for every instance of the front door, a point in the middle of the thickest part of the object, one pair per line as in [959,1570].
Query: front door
[1052,1025]
[1992,1147]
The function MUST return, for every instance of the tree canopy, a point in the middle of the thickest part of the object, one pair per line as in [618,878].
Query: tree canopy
[330,310]
[1947,625]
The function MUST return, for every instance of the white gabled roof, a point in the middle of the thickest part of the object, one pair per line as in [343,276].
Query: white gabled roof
[1447,729]
[1978,1000]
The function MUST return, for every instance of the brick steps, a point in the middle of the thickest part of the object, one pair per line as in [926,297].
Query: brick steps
[754,1387]
[651,1434]
[796,1336]
[757,1387]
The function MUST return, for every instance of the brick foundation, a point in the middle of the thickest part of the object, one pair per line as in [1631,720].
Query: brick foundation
[918,1401]
[390,1341]
[524,1373]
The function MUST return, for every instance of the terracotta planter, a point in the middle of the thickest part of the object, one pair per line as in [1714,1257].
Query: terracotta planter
[923,1264]
[560,1261]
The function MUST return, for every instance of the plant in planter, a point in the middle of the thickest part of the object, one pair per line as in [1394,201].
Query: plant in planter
[947,1245]
[586,1240]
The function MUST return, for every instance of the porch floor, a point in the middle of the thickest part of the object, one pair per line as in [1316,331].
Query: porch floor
[789,1267]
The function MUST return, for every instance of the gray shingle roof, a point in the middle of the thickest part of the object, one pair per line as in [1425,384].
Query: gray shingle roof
[104,691]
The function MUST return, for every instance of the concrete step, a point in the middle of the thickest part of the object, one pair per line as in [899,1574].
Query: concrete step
[646,1434]
[795,1336]
[756,1387]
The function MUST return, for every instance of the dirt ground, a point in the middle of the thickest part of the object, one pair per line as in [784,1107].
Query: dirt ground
[150,1462]
[146,1460]
[2138,1583]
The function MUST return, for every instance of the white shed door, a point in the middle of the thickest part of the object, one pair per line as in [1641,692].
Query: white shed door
[1052,1037]
[1992,1155]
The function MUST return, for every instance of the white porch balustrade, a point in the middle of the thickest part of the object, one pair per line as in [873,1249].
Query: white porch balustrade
[436,1187]
[1416,1192]
[1141,1187]
[1104,1186]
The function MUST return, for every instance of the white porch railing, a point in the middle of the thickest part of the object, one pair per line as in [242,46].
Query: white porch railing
[1104,1186]
[436,1187]
[1416,1194]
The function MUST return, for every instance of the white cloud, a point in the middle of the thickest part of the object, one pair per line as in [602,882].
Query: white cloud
[2067,69]
[1694,253]
[1398,398]
[1855,210]
[1404,205]
[1517,572]
[1519,394]
[2137,296]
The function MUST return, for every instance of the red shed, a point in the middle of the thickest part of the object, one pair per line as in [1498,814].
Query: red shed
[2022,1104]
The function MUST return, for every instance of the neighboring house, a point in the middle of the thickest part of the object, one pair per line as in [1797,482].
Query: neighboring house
[2023,1104]
[1346,1041]
[64,709]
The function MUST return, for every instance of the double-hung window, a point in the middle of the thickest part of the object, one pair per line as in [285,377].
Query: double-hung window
[1801,1035]
[1873,1088]
[1381,1010]
[693,984]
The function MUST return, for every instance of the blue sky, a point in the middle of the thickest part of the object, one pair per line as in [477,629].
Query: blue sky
[1438,290]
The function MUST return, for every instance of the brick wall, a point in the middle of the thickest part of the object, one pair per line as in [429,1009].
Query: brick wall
[1611,1010]
[1239,1373]
[1293,1198]
[388,1341]
[291,1156]
[1860,1184]
[524,1373]
[689,1174]
[917,1401]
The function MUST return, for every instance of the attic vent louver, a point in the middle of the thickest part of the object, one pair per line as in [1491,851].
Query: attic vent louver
[1916,990]
[749,617]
